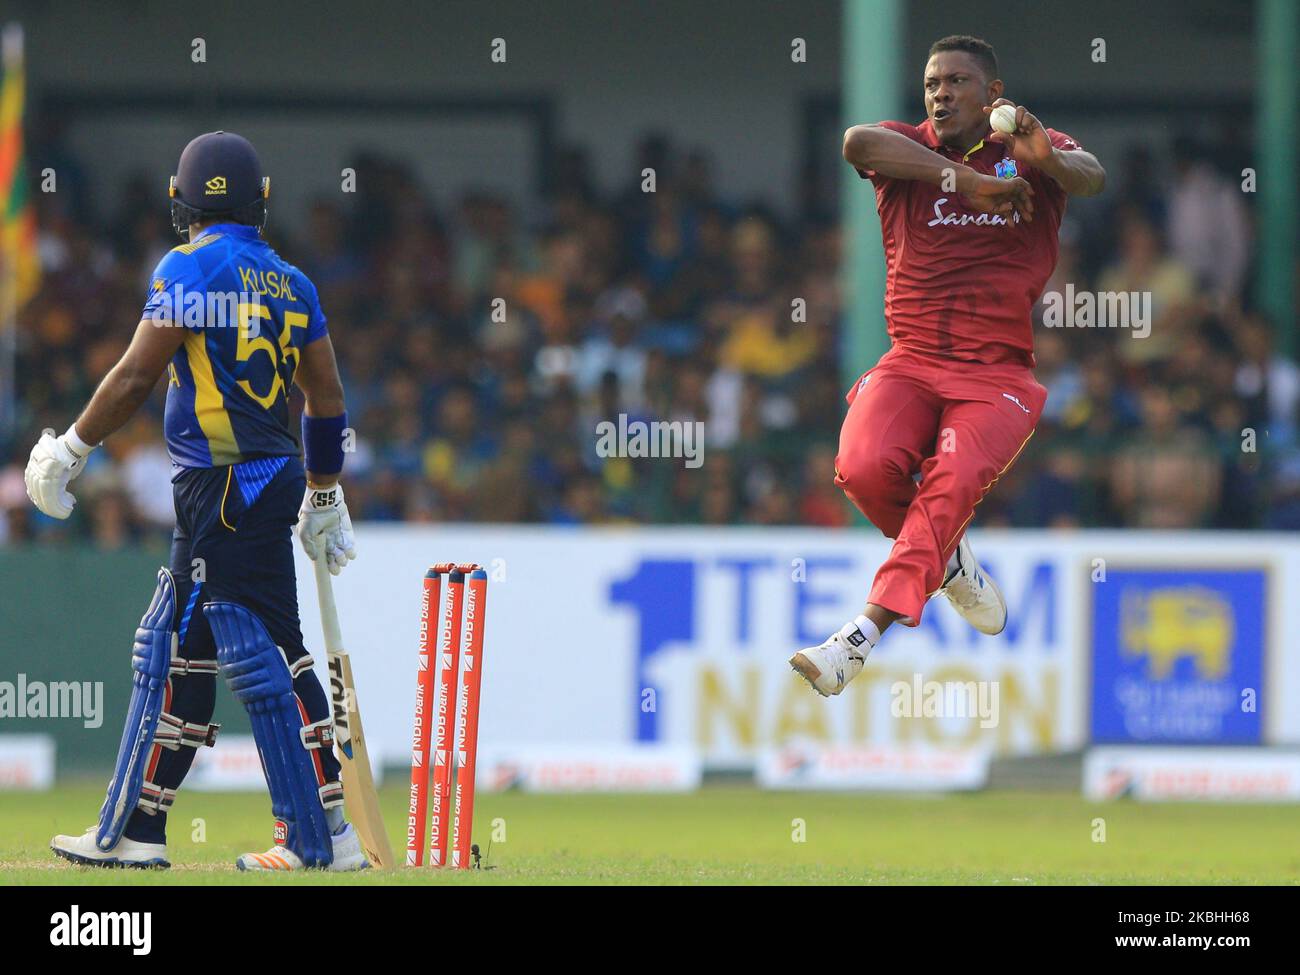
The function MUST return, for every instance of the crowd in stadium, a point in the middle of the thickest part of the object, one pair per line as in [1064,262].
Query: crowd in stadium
[480,349]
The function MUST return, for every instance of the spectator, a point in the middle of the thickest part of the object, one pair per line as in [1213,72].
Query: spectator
[1145,271]
[1166,475]
[1209,227]
[479,349]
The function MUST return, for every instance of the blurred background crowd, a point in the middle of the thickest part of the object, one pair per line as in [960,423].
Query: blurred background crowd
[480,346]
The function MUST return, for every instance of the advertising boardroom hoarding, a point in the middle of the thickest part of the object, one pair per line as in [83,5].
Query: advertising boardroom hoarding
[680,637]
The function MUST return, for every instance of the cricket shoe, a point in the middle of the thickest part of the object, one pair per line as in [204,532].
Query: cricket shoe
[973,594]
[347,855]
[829,667]
[126,853]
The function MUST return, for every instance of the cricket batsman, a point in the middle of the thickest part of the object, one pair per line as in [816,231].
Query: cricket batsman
[234,326]
[969,218]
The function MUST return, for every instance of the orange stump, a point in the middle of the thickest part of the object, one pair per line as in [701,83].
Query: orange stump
[467,732]
[417,810]
[444,718]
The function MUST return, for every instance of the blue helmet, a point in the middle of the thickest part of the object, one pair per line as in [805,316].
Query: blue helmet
[219,175]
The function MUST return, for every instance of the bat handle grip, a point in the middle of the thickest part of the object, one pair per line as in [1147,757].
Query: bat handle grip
[329,614]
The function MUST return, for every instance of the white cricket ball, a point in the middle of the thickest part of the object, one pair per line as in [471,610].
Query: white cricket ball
[1003,118]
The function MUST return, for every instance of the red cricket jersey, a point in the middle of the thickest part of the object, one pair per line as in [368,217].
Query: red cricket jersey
[960,284]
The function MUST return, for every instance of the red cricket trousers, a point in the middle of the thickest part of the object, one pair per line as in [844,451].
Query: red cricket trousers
[960,425]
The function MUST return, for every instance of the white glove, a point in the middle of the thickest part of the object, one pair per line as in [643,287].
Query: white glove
[325,528]
[54,462]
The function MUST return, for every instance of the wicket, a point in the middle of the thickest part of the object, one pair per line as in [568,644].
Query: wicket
[439,725]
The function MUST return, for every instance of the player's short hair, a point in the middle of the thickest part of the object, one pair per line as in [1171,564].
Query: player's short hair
[978,48]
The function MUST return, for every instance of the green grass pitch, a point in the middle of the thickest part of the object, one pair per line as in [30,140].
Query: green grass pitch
[725,835]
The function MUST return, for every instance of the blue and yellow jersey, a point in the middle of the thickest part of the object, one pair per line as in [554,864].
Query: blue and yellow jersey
[247,315]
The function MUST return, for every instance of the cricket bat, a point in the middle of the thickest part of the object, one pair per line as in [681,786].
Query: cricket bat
[359,797]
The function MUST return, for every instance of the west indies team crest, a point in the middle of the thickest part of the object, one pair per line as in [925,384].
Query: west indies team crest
[1005,169]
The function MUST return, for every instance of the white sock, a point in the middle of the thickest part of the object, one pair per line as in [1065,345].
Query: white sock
[868,629]
[953,565]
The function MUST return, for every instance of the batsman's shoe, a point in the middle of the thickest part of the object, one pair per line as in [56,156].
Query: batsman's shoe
[125,852]
[829,667]
[347,855]
[974,595]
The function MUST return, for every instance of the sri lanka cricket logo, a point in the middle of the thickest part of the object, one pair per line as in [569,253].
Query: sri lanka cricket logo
[1176,622]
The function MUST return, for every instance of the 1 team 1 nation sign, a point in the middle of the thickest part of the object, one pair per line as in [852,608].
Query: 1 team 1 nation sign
[680,637]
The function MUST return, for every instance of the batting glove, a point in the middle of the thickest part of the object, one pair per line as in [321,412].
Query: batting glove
[325,527]
[54,463]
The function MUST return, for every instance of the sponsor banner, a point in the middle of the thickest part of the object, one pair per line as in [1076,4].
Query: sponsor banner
[232,765]
[913,768]
[1179,654]
[589,768]
[1155,774]
[26,762]
[681,636]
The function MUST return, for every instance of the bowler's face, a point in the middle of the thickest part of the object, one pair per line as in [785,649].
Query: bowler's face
[955,92]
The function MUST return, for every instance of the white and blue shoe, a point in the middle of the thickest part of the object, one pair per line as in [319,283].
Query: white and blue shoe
[830,666]
[974,594]
[126,853]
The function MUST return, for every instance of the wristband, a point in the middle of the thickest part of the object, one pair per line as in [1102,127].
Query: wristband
[322,442]
[78,446]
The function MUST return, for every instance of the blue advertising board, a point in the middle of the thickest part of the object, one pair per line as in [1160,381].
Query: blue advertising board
[1178,655]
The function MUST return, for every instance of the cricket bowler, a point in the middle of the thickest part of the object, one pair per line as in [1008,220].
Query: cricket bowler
[969,218]
[234,326]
